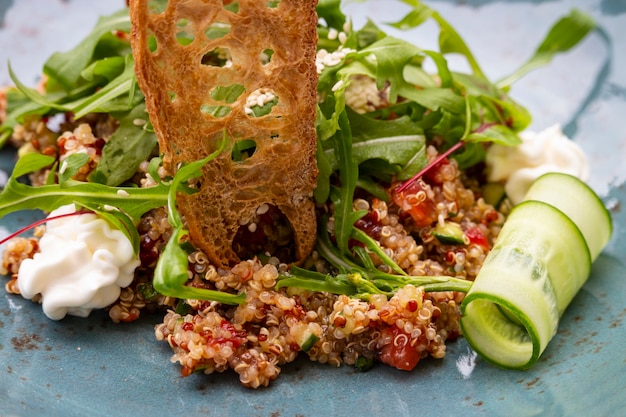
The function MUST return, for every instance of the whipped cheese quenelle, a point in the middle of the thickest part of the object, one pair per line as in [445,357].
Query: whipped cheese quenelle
[82,265]
[540,152]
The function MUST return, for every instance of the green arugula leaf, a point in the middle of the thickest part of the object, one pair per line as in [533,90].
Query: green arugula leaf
[18,196]
[170,275]
[132,143]
[71,165]
[118,220]
[392,55]
[66,67]
[121,85]
[108,68]
[449,39]
[344,194]
[564,34]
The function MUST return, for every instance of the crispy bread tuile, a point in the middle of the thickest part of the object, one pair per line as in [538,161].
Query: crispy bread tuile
[193,100]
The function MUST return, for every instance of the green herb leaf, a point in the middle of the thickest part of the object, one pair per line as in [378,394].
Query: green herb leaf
[170,275]
[348,175]
[66,67]
[132,143]
[18,196]
[119,220]
[564,34]
[121,85]
[71,165]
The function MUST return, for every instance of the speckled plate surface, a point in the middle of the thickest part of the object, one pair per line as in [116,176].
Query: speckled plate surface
[91,367]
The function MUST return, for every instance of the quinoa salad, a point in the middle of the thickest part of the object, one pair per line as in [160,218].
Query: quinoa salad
[406,215]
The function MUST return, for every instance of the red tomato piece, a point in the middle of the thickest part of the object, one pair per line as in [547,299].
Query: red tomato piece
[415,201]
[477,236]
[399,353]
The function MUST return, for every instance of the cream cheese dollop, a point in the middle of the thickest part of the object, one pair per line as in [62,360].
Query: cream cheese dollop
[82,265]
[540,152]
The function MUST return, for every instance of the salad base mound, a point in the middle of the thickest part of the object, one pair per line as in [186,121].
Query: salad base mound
[255,338]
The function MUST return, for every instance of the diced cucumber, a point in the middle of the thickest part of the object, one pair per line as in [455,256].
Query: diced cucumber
[450,233]
[307,339]
[578,201]
[539,262]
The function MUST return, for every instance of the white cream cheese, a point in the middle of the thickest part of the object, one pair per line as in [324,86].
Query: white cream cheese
[546,151]
[82,265]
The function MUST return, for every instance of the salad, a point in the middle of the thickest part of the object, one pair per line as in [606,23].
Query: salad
[411,215]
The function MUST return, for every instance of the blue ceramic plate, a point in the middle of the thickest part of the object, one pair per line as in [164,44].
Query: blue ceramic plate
[91,367]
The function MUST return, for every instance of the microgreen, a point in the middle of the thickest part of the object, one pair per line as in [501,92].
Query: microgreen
[39,223]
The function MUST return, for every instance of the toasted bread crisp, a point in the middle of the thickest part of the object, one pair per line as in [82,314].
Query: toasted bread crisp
[210,68]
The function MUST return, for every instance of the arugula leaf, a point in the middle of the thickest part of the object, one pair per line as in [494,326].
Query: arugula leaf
[66,67]
[118,220]
[121,85]
[344,194]
[399,143]
[71,165]
[17,196]
[108,68]
[564,34]
[392,55]
[132,143]
[449,39]
[434,98]
[325,170]
[52,101]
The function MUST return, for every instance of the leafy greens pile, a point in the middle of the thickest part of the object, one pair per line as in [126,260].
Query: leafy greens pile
[359,150]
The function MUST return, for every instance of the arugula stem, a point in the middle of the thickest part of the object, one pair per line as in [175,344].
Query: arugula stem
[439,158]
[40,222]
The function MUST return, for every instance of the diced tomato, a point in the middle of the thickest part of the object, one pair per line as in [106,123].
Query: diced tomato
[414,200]
[477,236]
[370,224]
[399,353]
[433,175]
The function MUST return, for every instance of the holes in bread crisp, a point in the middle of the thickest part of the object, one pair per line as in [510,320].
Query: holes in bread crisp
[266,56]
[268,232]
[216,111]
[260,102]
[172,96]
[184,32]
[156,6]
[243,150]
[272,4]
[217,30]
[226,94]
[152,43]
[218,57]
[231,5]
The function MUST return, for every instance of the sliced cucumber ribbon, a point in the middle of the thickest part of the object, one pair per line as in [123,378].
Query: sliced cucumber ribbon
[580,203]
[540,261]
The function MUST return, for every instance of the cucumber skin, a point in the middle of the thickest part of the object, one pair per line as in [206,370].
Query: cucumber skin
[580,203]
[540,303]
